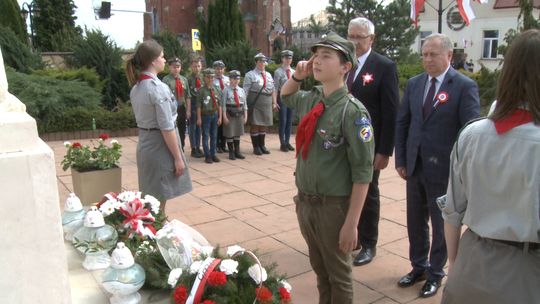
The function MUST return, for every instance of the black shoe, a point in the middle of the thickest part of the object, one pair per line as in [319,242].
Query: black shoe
[283,148]
[291,148]
[430,288]
[231,151]
[194,153]
[262,145]
[215,159]
[208,160]
[224,148]
[219,150]
[198,153]
[365,256]
[255,143]
[237,153]
[411,278]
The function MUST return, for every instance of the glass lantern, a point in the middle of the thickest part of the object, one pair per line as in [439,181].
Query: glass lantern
[95,239]
[73,216]
[124,277]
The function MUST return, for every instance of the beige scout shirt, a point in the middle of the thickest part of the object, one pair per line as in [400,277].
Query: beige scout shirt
[339,154]
[280,77]
[254,82]
[153,104]
[494,185]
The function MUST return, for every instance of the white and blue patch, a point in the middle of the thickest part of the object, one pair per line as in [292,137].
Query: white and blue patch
[362,121]
[365,133]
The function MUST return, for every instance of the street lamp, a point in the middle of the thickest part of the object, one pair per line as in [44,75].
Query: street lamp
[29,10]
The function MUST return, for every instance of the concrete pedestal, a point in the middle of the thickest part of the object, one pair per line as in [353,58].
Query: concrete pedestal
[32,252]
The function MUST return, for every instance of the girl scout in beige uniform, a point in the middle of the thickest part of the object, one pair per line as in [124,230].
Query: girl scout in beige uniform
[161,164]
[234,114]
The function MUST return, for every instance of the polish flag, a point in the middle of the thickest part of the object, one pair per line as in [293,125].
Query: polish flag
[465,10]
[416,6]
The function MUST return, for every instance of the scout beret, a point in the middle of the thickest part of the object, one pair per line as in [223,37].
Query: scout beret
[209,72]
[286,53]
[174,60]
[219,63]
[336,42]
[260,56]
[234,74]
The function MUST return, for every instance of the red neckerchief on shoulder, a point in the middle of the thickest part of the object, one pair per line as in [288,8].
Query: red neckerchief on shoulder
[306,128]
[518,118]
[144,77]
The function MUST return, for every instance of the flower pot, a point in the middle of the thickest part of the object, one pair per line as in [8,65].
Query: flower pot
[90,186]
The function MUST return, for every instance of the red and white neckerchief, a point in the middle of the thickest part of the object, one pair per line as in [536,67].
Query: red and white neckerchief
[516,119]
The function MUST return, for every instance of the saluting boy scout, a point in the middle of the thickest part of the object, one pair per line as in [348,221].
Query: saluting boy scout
[180,88]
[334,146]
[209,115]
[221,81]
[195,84]
[234,115]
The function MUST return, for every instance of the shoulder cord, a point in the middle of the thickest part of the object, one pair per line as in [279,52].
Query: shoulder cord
[343,120]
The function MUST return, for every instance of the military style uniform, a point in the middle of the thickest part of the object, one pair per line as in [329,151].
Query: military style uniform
[234,112]
[259,108]
[181,98]
[195,83]
[281,75]
[340,155]
[209,102]
[155,108]
[221,82]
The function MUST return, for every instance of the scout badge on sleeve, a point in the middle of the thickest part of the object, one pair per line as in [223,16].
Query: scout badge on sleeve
[365,133]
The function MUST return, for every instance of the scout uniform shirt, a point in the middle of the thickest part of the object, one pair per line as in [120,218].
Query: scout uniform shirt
[254,81]
[153,104]
[224,80]
[280,77]
[170,80]
[228,101]
[341,152]
[205,101]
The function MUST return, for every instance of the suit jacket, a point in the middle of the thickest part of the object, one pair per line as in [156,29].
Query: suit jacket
[380,97]
[434,137]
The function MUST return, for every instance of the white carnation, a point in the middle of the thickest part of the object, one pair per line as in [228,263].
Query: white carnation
[207,250]
[67,144]
[174,275]
[114,141]
[154,203]
[231,250]
[229,266]
[286,285]
[194,268]
[106,208]
[255,273]
[128,196]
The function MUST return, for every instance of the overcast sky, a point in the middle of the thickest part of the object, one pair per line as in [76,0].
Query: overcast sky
[127,28]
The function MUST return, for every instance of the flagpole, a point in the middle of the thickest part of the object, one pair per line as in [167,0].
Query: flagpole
[439,12]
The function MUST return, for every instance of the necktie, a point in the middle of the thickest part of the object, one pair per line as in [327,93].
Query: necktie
[430,98]
[350,78]
[221,84]
[197,83]
[306,129]
[213,98]
[236,100]
[264,79]
[288,73]
[179,90]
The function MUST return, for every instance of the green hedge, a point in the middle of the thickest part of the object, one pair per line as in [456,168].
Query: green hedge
[80,118]
[17,54]
[87,75]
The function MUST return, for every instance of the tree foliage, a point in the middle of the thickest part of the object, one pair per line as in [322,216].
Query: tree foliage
[54,25]
[11,18]
[172,47]
[17,54]
[222,24]
[99,52]
[236,54]
[393,28]
[526,21]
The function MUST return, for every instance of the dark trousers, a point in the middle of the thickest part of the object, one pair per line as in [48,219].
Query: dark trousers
[194,131]
[285,122]
[221,140]
[181,123]
[368,226]
[421,206]
[209,130]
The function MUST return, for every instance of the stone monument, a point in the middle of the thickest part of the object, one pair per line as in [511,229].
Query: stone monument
[32,255]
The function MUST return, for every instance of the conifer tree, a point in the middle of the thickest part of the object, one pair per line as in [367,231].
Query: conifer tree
[11,18]
[54,25]
[223,23]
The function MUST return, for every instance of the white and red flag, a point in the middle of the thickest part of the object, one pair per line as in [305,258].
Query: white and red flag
[465,10]
[416,6]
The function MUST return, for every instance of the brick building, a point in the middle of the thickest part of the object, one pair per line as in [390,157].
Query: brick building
[267,22]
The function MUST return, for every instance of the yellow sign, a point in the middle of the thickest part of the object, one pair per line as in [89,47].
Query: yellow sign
[195,42]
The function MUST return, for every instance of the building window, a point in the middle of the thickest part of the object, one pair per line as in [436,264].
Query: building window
[309,34]
[423,35]
[301,35]
[490,44]
[155,21]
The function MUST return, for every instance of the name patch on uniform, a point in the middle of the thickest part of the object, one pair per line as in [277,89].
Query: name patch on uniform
[366,133]
[362,121]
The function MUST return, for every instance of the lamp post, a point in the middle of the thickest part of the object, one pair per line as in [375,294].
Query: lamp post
[28,11]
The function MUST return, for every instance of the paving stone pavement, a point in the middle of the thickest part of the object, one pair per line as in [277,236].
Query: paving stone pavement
[249,202]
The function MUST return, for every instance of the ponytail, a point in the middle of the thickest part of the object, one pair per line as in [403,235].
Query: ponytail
[145,53]
[131,72]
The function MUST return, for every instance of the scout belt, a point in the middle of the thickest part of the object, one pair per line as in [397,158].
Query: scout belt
[318,199]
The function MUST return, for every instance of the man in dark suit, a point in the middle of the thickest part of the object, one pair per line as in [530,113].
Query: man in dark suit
[435,105]
[375,83]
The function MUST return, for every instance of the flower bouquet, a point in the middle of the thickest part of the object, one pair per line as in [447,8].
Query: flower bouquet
[99,157]
[237,278]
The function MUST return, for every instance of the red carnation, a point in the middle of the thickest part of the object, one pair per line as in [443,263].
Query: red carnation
[104,136]
[263,294]
[285,295]
[208,302]
[217,278]
[76,145]
[180,295]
